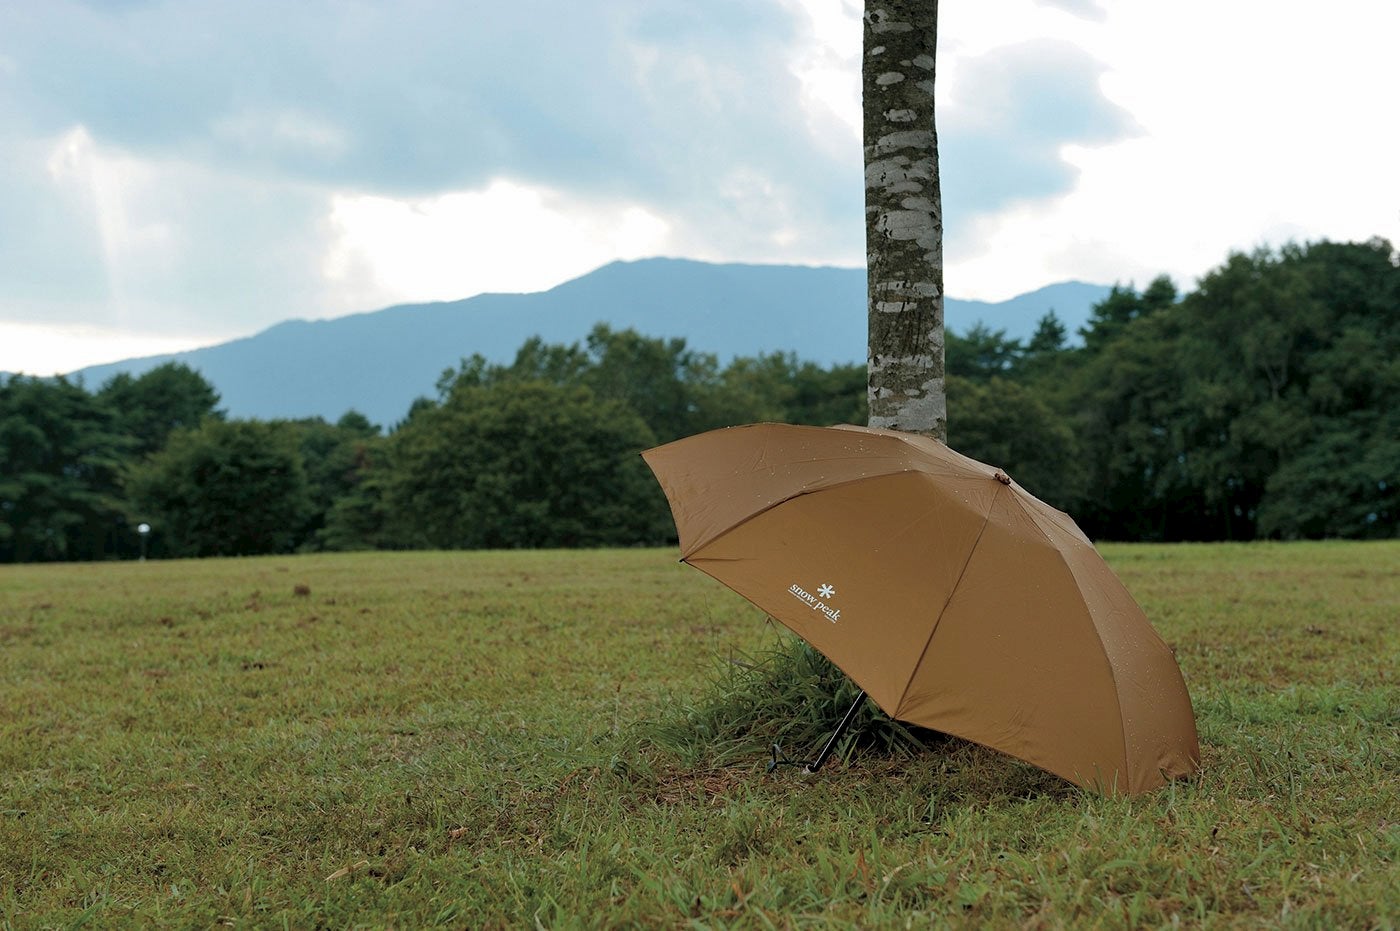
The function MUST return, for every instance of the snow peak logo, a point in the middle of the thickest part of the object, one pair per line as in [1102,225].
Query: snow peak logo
[818,601]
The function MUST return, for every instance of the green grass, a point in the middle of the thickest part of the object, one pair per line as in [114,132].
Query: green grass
[501,739]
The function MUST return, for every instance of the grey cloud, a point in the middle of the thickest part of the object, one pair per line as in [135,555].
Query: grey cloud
[1000,139]
[645,100]
[187,253]
[679,105]
[420,97]
[51,257]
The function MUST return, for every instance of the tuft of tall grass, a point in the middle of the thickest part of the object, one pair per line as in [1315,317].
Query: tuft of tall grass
[787,693]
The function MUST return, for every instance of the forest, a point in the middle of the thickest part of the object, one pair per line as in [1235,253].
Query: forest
[1262,404]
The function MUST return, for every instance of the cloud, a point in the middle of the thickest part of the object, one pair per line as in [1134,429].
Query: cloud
[505,237]
[1088,9]
[1007,110]
[160,246]
[655,100]
[51,254]
[50,349]
[213,168]
[1012,113]
[274,135]
[620,97]
[414,100]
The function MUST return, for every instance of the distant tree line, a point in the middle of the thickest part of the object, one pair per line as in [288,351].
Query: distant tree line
[1263,404]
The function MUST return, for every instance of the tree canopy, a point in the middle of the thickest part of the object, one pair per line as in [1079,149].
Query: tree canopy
[61,455]
[234,488]
[524,464]
[149,407]
[1265,403]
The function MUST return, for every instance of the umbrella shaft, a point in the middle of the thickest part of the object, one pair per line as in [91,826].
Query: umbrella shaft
[816,764]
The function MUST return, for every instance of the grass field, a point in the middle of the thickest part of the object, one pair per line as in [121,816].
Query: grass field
[469,740]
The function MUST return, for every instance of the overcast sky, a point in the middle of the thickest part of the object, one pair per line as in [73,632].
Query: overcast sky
[174,174]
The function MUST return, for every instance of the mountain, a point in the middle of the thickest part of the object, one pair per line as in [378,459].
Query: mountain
[379,362]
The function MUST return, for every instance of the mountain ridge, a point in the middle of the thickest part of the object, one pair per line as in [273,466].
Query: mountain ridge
[379,361]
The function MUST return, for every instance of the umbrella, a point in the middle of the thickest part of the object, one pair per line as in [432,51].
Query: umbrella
[956,599]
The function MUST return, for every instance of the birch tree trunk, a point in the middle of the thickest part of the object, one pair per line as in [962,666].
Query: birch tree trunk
[903,218]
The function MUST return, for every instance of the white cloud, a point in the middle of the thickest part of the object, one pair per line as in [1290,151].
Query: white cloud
[1253,132]
[53,349]
[1089,9]
[826,62]
[507,236]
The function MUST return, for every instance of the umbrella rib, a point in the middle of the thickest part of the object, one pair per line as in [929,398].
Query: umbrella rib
[986,518]
[1098,637]
[703,542]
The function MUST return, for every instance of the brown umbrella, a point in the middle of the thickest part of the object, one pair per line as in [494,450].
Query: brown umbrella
[955,598]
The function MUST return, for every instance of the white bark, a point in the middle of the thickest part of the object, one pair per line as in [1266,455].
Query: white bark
[904,218]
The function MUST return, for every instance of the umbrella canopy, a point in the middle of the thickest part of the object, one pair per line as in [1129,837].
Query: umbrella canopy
[959,601]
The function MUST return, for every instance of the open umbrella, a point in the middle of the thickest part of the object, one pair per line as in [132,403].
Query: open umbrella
[955,598]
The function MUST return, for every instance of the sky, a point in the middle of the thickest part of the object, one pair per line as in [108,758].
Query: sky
[177,174]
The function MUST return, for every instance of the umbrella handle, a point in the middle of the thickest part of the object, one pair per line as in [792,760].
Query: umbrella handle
[781,759]
[816,764]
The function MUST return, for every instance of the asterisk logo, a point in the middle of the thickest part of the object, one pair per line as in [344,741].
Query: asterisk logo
[826,591]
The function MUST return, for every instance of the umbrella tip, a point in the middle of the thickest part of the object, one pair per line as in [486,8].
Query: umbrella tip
[1002,477]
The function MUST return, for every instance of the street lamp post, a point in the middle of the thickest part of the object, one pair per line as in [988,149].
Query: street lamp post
[145,531]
